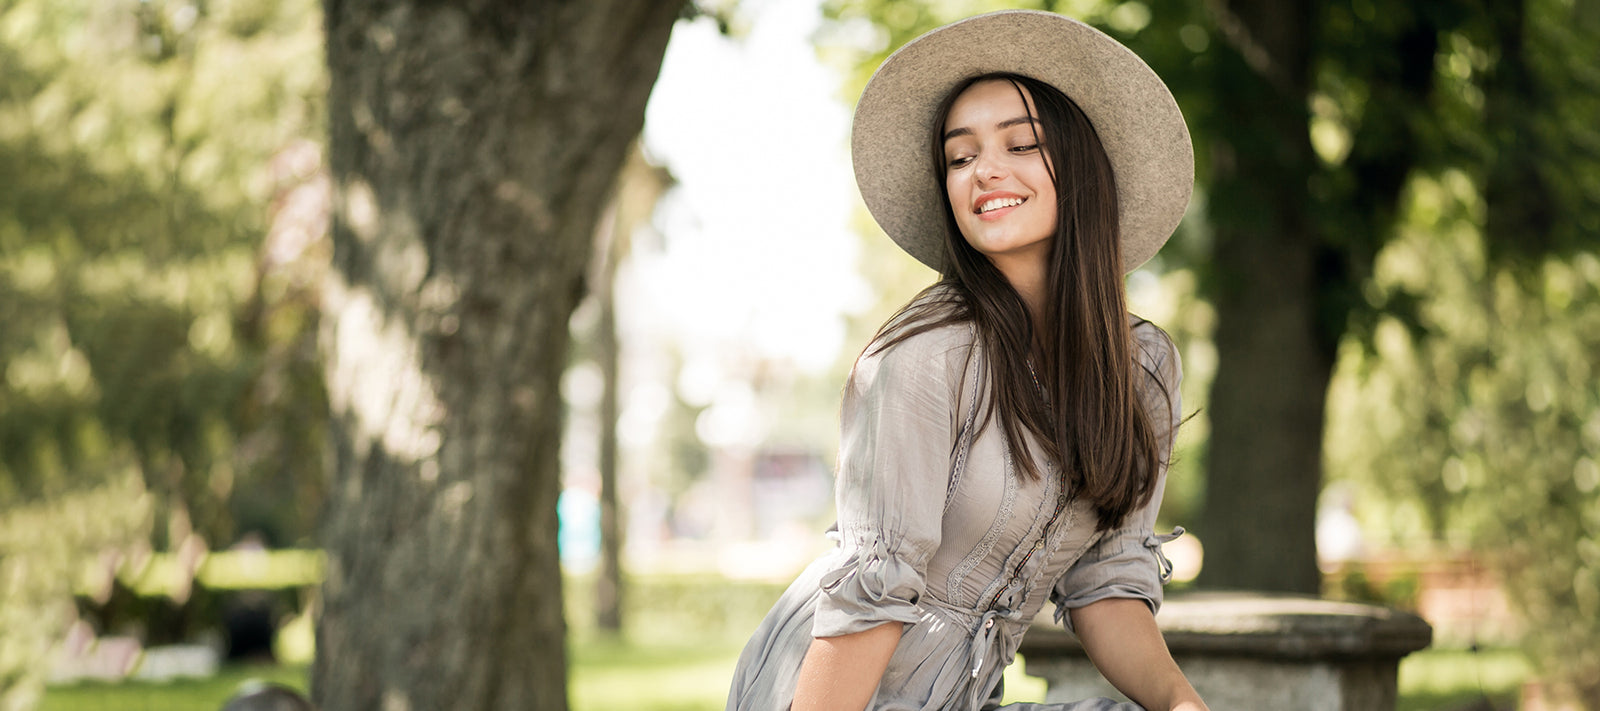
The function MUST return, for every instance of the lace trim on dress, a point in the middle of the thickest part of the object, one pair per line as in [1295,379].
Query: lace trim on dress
[964,440]
[981,551]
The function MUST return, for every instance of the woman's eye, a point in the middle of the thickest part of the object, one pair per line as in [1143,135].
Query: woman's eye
[1029,148]
[959,161]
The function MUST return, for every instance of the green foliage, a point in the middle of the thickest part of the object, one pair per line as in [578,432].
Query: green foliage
[159,256]
[667,609]
[159,304]
[1469,413]
[1486,432]
[1540,96]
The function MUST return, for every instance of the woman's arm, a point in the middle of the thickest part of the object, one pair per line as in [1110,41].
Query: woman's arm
[1124,643]
[843,672]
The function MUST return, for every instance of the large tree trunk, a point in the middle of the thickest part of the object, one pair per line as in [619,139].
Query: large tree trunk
[473,146]
[1264,462]
[1287,282]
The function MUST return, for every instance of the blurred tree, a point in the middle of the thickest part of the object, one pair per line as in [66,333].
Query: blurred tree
[640,185]
[1298,221]
[473,148]
[160,250]
[611,244]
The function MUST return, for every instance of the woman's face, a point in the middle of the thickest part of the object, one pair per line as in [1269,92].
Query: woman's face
[996,175]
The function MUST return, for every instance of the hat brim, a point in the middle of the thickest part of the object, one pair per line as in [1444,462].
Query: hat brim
[1132,111]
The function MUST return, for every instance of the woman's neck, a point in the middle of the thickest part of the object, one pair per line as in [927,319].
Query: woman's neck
[1027,277]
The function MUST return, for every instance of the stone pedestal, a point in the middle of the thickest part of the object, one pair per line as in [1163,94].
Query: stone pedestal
[1246,651]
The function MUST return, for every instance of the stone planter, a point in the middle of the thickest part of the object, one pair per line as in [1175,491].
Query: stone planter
[1245,651]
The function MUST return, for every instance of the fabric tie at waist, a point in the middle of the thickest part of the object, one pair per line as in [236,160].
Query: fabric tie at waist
[983,638]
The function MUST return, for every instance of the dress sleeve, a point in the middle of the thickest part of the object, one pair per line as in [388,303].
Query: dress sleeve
[898,427]
[1127,562]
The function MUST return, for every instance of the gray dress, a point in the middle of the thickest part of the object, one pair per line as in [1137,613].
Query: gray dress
[933,523]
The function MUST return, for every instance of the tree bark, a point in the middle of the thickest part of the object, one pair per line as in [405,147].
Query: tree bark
[1264,462]
[472,147]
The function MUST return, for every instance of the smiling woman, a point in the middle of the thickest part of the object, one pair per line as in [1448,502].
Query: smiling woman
[1005,437]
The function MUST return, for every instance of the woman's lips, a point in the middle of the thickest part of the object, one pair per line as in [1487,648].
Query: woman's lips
[994,206]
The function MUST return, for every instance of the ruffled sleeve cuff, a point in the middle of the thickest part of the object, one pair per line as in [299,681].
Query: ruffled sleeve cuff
[871,583]
[1125,564]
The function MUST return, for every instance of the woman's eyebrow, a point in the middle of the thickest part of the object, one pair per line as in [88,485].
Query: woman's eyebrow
[1008,123]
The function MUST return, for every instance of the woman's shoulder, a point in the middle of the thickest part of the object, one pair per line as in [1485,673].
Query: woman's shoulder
[1155,350]
[1148,335]
[922,335]
[926,326]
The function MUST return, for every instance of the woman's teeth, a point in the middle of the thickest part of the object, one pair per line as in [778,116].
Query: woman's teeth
[998,203]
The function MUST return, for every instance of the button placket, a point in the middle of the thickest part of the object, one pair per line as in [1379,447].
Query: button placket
[1044,533]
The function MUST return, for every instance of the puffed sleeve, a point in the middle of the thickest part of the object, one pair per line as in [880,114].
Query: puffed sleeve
[1127,562]
[897,428]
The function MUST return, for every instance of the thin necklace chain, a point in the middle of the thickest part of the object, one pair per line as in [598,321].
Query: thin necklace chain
[1036,385]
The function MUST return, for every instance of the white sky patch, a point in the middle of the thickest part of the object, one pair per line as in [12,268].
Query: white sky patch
[758,259]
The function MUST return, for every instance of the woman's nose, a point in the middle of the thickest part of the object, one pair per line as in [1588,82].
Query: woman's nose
[988,168]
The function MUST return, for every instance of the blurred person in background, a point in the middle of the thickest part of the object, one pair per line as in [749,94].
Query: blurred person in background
[257,696]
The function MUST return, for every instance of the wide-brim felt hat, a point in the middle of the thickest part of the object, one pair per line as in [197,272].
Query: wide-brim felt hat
[1134,115]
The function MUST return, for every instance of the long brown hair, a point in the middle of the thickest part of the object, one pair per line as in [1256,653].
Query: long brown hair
[1080,401]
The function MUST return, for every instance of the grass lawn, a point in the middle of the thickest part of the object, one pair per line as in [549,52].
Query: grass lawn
[609,674]
[186,695]
[1442,679]
[684,639]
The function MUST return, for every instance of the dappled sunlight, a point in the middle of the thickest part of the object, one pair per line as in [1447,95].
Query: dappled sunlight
[360,209]
[377,373]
